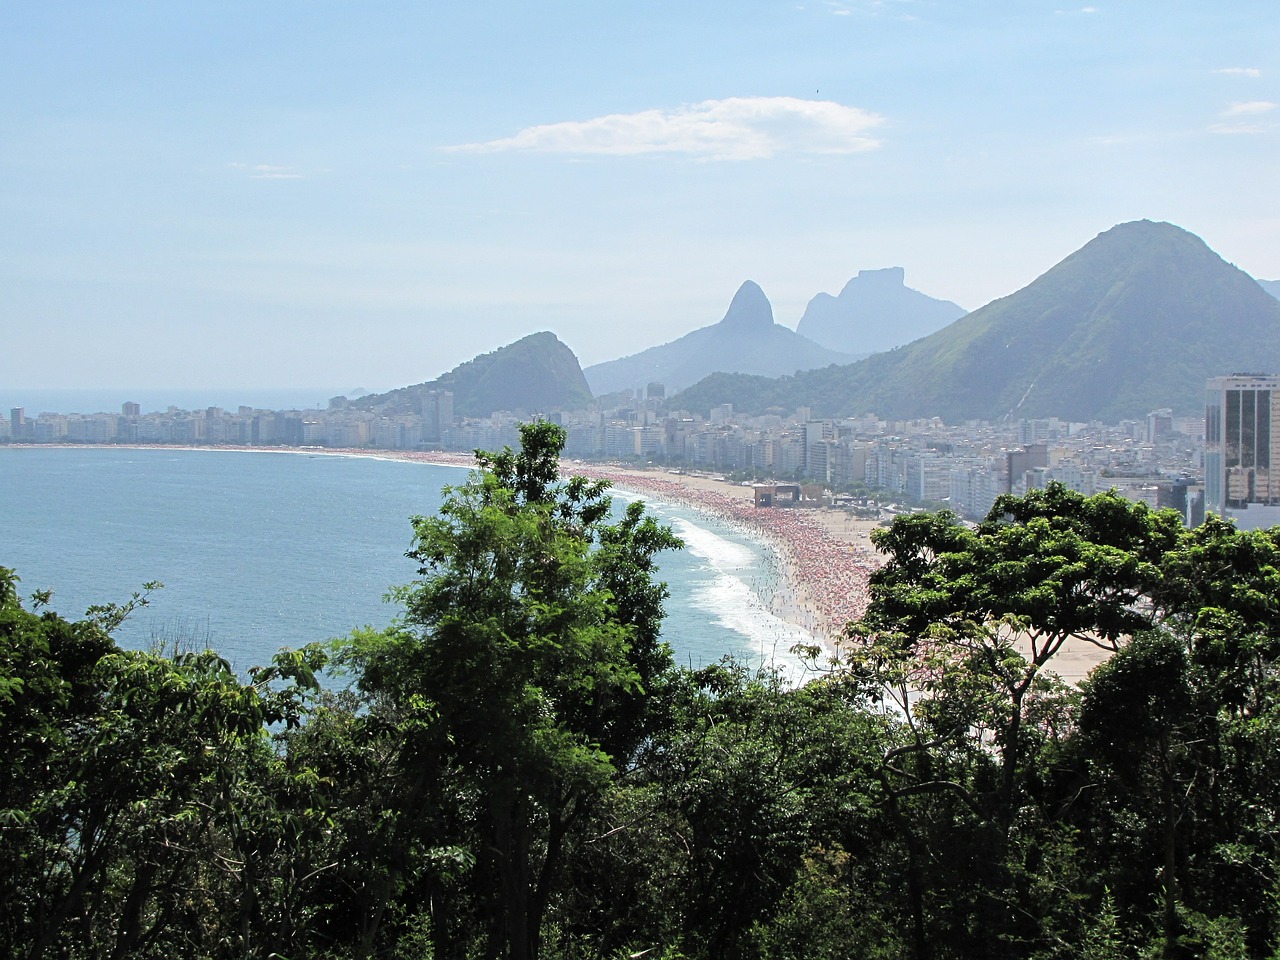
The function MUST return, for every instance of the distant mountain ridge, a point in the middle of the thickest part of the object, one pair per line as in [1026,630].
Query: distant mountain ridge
[536,374]
[875,311]
[746,341]
[1271,286]
[1135,320]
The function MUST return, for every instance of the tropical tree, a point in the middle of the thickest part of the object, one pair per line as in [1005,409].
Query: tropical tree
[140,796]
[962,626]
[520,677]
[962,622]
[1179,733]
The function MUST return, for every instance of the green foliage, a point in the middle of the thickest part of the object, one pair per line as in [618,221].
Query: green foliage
[963,621]
[826,915]
[525,661]
[962,631]
[520,770]
[141,800]
[535,374]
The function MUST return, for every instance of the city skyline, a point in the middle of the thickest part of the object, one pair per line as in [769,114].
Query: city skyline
[239,196]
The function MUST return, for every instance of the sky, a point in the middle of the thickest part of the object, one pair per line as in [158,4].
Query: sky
[299,193]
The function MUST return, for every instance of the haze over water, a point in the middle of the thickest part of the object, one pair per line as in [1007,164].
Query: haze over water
[264,550]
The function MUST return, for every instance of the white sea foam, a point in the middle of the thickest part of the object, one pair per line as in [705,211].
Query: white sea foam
[734,583]
[278,550]
[736,591]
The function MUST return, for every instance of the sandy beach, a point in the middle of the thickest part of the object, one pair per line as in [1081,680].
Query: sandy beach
[825,553]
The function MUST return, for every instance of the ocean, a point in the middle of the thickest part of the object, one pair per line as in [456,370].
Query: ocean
[263,550]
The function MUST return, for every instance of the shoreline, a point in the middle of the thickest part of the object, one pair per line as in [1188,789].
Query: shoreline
[824,556]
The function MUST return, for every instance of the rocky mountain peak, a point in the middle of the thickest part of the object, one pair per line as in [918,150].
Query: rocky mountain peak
[750,308]
[888,278]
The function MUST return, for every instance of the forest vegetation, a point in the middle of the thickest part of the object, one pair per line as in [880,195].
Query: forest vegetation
[536,372]
[518,769]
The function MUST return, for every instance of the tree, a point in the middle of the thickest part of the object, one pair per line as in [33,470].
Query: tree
[1220,594]
[140,795]
[520,675]
[961,627]
[952,606]
[1179,731]
[1139,724]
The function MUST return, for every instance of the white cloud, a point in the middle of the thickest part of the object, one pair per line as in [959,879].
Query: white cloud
[845,8]
[738,128]
[266,171]
[1250,108]
[1253,72]
[871,8]
[1238,128]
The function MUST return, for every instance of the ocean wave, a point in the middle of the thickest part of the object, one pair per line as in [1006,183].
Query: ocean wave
[736,591]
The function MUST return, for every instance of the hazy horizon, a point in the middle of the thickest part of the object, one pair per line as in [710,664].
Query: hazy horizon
[157,399]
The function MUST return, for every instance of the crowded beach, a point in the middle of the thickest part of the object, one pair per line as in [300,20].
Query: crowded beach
[825,555]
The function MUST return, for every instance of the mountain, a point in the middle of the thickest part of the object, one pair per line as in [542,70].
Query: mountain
[537,373]
[1271,286]
[745,341]
[1135,320]
[875,311]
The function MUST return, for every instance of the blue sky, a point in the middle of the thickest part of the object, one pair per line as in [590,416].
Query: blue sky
[343,194]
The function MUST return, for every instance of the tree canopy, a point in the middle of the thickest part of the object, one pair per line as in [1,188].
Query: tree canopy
[517,768]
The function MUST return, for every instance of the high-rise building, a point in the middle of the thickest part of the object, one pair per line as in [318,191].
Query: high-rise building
[1019,462]
[437,413]
[1241,449]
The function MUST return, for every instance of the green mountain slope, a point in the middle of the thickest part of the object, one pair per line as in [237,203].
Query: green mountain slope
[535,374]
[1135,320]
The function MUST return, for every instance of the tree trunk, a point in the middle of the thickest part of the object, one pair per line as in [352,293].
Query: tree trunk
[1168,802]
[511,837]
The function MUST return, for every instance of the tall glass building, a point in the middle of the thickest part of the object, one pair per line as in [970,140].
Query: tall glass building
[1241,437]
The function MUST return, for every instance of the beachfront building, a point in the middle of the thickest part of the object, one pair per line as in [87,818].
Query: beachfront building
[974,486]
[927,476]
[1241,449]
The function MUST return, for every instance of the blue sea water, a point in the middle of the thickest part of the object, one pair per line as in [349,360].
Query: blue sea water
[263,550]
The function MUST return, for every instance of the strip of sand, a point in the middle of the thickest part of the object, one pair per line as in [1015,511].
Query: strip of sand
[825,553]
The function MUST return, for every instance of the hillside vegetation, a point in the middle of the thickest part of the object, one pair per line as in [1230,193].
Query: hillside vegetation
[536,374]
[1135,320]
